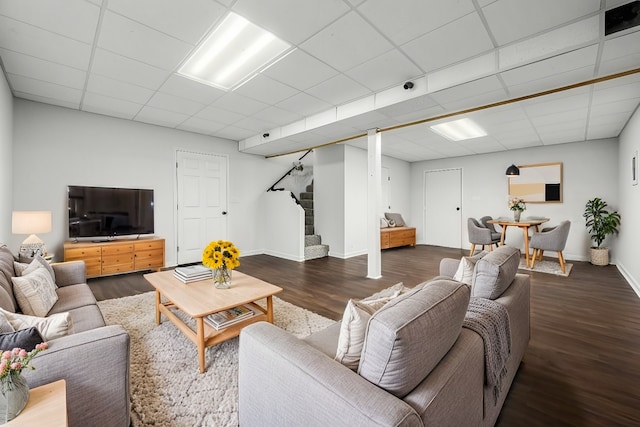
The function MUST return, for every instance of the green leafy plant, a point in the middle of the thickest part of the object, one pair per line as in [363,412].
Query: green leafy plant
[600,221]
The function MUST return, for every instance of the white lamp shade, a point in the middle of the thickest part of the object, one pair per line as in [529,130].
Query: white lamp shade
[30,222]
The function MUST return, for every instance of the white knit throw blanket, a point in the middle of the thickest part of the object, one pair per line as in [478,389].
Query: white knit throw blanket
[490,320]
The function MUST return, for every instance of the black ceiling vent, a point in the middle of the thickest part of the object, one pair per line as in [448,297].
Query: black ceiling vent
[622,17]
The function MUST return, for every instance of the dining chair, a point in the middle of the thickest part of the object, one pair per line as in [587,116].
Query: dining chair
[481,235]
[550,239]
[495,234]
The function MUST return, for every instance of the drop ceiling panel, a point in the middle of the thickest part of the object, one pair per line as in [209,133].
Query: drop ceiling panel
[267,90]
[190,19]
[76,19]
[190,89]
[338,90]
[134,40]
[101,104]
[465,37]
[127,70]
[348,42]
[30,40]
[512,20]
[176,104]
[385,71]
[239,104]
[116,89]
[39,69]
[403,22]
[304,104]
[288,70]
[468,91]
[53,101]
[277,115]
[195,124]
[160,117]
[219,115]
[45,89]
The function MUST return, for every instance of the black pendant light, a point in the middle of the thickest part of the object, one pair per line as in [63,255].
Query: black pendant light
[513,170]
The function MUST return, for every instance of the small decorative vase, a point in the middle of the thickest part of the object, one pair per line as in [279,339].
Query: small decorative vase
[516,216]
[13,396]
[222,278]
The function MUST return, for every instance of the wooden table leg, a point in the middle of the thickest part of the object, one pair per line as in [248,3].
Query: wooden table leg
[157,307]
[526,245]
[270,309]
[504,231]
[200,335]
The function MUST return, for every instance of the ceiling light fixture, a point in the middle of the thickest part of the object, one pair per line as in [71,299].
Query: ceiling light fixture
[233,53]
[459,130]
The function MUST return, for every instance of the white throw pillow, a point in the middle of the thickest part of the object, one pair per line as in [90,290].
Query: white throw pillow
[35,292]
[354,324]
[22,269]
[464,273]
[52,327]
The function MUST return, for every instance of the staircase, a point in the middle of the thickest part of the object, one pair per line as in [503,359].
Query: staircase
[313,247]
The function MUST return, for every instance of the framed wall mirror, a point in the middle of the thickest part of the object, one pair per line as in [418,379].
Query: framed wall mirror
[540,183]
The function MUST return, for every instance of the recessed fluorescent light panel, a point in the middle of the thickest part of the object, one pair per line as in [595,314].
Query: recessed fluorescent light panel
[234,52]
[459,130]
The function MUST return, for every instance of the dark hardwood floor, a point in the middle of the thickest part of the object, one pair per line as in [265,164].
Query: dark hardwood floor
[582,367]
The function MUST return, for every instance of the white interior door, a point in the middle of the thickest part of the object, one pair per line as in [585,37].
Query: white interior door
[443,207]
[201,203]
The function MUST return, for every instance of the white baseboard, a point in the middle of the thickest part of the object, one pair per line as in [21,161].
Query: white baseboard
[634,284]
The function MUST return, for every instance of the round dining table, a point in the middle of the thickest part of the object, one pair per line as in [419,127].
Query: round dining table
[524,224]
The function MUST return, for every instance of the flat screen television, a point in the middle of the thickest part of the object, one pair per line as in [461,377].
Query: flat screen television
[103,212]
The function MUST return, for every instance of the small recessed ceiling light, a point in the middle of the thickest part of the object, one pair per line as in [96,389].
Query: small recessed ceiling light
[233,53]
[459,130]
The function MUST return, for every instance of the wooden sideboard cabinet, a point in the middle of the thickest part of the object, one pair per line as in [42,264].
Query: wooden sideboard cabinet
[117,256]
[393,237]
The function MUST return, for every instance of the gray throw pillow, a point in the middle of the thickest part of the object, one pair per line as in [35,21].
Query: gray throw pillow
[26,339]
[494,272]
[396,218]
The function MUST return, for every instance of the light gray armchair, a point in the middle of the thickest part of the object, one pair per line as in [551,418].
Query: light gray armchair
[550,239]
[481,235]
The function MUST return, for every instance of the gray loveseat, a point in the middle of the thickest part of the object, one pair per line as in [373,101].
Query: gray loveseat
[418,367]
[93,360]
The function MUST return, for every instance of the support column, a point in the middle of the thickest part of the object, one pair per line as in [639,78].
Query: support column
[374,196]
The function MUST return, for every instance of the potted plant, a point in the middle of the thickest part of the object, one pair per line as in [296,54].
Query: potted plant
[600,223]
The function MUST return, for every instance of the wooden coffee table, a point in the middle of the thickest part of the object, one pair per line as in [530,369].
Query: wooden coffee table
[199,299]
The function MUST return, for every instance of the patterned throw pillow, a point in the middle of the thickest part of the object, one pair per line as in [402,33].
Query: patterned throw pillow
[51,327]
[35,292]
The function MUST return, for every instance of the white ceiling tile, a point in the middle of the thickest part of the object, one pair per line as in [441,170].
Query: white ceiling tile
[116,89]
[556,103]
[304,104]
[338,90]
[28,66]
[175,104]
[563,137]
[405,21]
[195,124]
[292,20]
[600,132]
[511,20]
[33,41]
[277,115]
[233,133]
[552,82]
[76,19]
[481,145]
[468,90]
[348,42]
[300,70]
[465,37]
[127,70]
[620,54]
[614,108]
[384,71]
[100,104]
[616,93]
[355,2]
[44,89]
[240,104]
[190,89]
[134,40]
[561,119]
[187,20]
[45,100]
[265,89]
[160,117]
[219,115]
[254,125]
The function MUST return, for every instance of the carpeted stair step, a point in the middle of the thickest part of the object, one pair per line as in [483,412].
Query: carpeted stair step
[306,195]
[312,240]
[316,251]
[309,229]
[310,187]
[306,203]
[308,213]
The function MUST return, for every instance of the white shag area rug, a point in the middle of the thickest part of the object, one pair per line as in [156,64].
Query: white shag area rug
[167,388]
[549,267]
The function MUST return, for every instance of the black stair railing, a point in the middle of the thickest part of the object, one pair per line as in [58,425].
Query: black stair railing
[295,166]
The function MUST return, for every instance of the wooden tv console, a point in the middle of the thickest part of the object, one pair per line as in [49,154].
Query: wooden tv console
[393,237]
[117,256]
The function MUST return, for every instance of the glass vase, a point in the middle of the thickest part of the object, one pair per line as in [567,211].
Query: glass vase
[14,395]
[516,216]
[222,278]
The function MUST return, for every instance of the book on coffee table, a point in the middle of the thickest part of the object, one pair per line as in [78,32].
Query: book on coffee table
[192,273]
[228,317]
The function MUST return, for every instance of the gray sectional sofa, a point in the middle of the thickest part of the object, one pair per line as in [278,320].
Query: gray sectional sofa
[93,359]
[419,366]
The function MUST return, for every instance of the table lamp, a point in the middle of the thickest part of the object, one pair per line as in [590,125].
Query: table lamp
[31,222]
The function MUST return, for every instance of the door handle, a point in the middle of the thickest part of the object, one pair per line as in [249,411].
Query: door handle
[224,212]
[458,208]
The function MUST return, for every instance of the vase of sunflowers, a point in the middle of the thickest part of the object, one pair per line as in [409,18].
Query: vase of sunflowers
[221,257]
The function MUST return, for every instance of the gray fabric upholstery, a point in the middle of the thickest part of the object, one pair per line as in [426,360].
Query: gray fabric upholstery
[86,318]
[479,234]
[283,381]
[396,218]
[393,357]
[325,340]
[495,272]
[73,296]
[69,273]
[551,238]
[7,300]
[495,235]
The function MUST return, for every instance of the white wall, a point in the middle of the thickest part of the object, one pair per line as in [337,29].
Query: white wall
[6,159]
[55,147]
[626,250]
[589,170]
[283,225]
[329,196]
[355,202]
